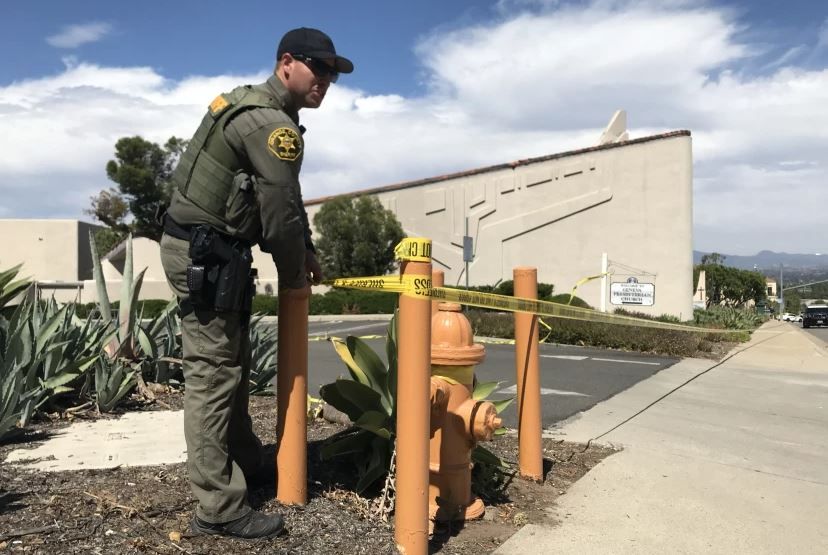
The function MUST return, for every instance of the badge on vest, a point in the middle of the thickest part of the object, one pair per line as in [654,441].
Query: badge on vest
[285,144]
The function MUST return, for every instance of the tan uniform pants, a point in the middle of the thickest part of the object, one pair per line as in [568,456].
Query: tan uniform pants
[221,445]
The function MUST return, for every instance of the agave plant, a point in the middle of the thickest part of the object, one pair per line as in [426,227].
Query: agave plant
[9,289]
[369,399]
[114,379]
[160,343]
[41,351]
[123,342]
[131,349]
[263,347]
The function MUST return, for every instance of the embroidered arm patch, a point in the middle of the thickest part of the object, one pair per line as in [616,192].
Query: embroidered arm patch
[218,105]
[285,144]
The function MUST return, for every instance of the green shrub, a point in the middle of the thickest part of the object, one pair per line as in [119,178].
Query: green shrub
[152,308]
[612,336]
[83,310]
[668,318]
[507,288]
[335,301]
[565,298]
[727,318]
[351,301]
[267,305]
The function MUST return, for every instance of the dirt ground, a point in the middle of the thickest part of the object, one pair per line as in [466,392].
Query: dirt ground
[147,509]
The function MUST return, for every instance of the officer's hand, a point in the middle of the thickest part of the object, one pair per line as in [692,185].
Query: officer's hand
[312,268]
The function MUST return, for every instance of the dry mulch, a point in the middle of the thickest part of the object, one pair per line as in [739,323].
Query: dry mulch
[148,509]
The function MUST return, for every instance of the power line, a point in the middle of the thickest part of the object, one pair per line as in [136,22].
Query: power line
[804,285]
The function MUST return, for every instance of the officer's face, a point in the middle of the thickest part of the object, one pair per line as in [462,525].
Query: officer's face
[308,80]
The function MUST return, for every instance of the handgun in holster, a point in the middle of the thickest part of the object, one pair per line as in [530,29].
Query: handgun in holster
[219,273]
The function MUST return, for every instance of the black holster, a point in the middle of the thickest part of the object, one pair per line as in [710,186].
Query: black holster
[221,276]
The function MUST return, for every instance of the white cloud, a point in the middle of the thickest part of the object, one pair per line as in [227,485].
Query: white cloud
[73,36]
[545,77]
[822,41]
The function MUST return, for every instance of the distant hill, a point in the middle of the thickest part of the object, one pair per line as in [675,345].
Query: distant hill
[766,260]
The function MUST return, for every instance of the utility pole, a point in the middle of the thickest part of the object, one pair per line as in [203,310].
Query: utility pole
[781,289]
[468,251]
[604,266]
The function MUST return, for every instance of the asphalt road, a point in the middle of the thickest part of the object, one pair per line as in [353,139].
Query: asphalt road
[573,379]
[820,333]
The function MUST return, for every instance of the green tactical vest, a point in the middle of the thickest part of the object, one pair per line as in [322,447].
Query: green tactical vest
[204,174]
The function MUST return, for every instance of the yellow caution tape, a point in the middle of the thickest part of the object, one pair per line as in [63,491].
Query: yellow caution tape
[548,327]
[420,286]
[583,281]
[330,337]
[417,249]
[392,284]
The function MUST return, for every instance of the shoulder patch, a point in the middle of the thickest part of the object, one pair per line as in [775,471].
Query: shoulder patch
[285,143]
[218,105]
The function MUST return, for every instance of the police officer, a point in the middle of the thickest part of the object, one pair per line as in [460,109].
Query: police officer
[238,184]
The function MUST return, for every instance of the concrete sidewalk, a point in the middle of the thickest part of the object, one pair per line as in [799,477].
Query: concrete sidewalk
[735,461]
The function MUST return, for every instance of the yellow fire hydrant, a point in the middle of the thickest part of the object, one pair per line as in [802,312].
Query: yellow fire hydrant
[458,421]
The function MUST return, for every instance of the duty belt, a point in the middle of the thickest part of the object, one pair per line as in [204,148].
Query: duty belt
[183,232]
[174,229]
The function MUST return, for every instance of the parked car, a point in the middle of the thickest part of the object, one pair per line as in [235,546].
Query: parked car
[815,315]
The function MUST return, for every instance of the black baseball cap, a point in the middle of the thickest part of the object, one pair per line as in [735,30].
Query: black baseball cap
[313,43]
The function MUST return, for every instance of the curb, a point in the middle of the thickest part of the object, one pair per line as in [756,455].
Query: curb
[335,318]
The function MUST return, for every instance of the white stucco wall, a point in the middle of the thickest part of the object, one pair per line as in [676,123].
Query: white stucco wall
[52,251]
[631,200]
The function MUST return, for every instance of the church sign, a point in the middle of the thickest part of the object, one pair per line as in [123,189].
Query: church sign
[631,292]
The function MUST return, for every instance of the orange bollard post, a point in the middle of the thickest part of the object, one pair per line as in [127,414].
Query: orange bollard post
[413,408]
[292,398]
[438,279]
[527,364]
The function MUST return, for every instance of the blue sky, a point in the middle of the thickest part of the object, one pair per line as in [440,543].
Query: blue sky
[433,81]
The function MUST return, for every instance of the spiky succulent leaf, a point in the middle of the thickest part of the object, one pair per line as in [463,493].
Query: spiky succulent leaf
[353,441]
[483,389]
[375,466]
[482,455]
[375,422]
[333,395]
[501,404]
[360,395]
[100,283]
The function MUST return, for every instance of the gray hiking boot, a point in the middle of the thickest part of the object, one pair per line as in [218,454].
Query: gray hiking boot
[253,525]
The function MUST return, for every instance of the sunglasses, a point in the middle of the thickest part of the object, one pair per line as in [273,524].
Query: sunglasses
[318,67]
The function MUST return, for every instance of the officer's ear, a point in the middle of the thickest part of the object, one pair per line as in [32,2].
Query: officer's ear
[284,60]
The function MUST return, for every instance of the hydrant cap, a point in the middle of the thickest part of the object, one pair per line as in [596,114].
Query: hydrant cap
[452,339]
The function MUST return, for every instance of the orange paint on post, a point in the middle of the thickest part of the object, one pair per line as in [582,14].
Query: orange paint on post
[292,397]
[413,396]
[527,364]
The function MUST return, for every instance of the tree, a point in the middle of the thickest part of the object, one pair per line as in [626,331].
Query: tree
[713,258]
[793,302]
[142,170]
[357,237]
[732,286]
